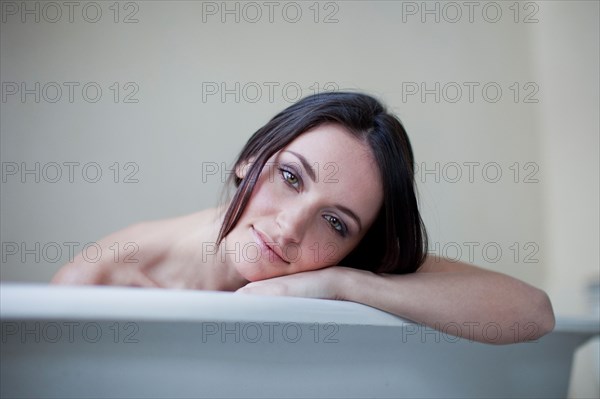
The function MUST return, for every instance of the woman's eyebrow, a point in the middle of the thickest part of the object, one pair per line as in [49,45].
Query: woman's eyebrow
[304,162]
[349,212]
[311,173]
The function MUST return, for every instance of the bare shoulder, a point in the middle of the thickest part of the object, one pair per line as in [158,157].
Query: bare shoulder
[128,253]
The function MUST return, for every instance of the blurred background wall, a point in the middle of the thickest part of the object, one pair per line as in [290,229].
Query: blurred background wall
[119,112]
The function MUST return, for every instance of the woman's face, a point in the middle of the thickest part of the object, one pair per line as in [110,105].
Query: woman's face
[312,204]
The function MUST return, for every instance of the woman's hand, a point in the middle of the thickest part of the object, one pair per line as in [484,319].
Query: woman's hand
[324,284]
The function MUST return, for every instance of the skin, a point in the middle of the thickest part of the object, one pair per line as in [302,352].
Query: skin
[287,243]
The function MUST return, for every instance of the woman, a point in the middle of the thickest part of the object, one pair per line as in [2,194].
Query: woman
[324,207]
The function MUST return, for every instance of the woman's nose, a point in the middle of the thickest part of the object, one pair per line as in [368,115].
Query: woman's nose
[292,223]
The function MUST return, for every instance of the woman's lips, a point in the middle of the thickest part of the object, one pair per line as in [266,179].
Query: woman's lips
[265,245]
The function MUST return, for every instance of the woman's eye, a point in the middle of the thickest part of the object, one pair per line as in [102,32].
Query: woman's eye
[336,224]
[290,178]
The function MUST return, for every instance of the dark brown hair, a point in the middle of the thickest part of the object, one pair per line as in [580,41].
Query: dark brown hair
[397,240]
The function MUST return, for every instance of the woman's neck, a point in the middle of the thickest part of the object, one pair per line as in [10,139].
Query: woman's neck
[219,271]
[182,253]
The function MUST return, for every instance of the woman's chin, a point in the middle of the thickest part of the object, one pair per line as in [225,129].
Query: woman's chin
[252,272]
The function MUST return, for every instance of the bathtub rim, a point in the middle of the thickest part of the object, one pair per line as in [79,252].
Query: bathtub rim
[51,302]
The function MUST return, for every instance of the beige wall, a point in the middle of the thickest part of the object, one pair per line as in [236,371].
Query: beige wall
[566,58]
[541,134]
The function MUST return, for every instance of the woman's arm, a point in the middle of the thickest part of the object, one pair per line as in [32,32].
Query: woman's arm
[452,297]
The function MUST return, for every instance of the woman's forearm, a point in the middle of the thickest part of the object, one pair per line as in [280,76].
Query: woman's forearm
[478,305]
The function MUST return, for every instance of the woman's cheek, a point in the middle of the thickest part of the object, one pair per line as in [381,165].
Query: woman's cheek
[265,195]
[323,252]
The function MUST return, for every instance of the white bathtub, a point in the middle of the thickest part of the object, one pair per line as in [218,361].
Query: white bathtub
[104,342]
